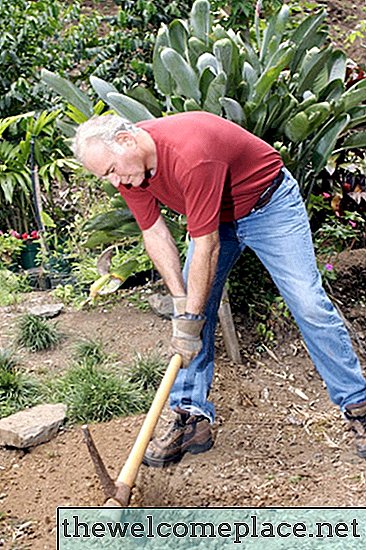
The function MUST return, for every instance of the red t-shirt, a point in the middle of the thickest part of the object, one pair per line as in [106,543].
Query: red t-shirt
[208,168]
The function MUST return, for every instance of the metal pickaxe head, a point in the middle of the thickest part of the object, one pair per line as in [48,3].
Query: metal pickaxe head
[116,494]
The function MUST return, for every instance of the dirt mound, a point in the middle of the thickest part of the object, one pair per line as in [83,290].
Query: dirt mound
[350,286]
[349,293]
[352,262]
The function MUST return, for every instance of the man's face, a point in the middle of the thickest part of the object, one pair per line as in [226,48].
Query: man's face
[125,166]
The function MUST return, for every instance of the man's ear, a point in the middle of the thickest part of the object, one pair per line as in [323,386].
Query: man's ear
[125,139]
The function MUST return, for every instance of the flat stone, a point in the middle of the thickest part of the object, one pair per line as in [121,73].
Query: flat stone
[162,305]
[46,310]
[32,426]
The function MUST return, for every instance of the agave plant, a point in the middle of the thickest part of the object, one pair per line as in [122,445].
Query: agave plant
[287,87]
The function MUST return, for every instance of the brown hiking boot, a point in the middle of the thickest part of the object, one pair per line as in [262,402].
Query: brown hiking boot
[356,414]
[186,434]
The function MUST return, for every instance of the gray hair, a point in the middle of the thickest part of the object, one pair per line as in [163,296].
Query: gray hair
[102,128]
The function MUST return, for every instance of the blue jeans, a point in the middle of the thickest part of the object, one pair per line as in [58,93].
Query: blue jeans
[279,234]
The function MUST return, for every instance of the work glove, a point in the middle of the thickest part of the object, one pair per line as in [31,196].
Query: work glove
[186,338]
[179,305]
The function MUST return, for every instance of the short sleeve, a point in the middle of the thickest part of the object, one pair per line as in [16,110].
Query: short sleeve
[203,189]
[143,205]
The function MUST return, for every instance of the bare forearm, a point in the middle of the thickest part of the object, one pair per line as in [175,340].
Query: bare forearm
[202,271]
[161,248]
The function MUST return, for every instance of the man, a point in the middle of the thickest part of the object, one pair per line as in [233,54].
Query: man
[235,192]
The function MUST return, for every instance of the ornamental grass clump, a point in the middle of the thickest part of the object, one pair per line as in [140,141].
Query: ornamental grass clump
[16,390]
[147,370]
[37,334]
[90,352]
[97,393]
[7,360]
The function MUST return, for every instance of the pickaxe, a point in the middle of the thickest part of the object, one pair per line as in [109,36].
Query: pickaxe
[117,493]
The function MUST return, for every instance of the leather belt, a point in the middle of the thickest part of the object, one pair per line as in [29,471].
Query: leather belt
[267,194]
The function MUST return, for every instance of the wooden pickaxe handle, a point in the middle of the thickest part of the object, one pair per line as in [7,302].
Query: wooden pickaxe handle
[128,474]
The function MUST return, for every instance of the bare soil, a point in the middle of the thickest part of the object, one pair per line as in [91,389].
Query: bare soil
[278,440]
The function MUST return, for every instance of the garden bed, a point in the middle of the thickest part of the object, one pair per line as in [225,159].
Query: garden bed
[279,442]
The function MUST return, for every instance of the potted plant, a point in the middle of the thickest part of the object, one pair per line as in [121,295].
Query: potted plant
[31,247]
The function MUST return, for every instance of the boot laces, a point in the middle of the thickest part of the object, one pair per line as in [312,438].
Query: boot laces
[362,421]
[178,423]
[359,420]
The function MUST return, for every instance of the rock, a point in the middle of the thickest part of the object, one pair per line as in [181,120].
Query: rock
[47,310]
[32,426]
[162,305]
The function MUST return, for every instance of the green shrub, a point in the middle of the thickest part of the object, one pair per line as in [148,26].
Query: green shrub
[42,33]
[16,390]
[10,249]
[90,352]
[92,390]
[12,286]
[338,233]
[147,370]
[18,134]
[7,360]
[95,394]
[37,334]
[69,295]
